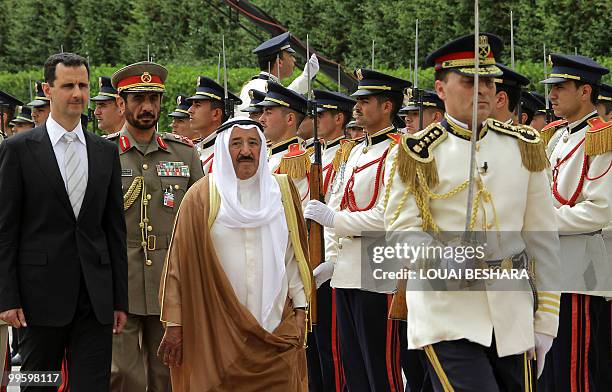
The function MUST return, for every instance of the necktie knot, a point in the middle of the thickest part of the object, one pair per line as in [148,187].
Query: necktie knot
[69,137]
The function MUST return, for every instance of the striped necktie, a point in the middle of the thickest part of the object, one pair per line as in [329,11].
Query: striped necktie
[75,173]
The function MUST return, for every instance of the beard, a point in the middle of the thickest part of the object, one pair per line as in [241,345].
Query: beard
[144,122]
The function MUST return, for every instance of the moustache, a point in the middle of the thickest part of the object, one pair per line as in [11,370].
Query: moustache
[244,158]
[146,115]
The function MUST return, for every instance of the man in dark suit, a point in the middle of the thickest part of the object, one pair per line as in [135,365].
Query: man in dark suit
[63,259]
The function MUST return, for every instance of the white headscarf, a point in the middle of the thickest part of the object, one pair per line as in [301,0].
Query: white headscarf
[269,218]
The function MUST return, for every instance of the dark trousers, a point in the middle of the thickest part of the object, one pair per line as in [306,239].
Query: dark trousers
[414,364]
[369,341]
[465,366]
[15,341]
[86,343]
[324,366]
[580,355]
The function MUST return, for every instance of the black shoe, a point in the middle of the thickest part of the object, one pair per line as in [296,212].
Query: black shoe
[16,360]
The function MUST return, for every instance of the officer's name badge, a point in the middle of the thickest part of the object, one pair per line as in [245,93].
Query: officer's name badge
[172,169]
[126,172]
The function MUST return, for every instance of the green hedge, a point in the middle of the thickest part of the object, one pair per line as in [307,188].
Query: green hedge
[182,79]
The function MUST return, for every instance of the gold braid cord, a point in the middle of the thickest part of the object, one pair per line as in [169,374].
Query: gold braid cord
[133,192]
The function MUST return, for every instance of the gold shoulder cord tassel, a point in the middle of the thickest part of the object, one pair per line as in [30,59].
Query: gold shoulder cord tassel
[533,155]
[342,154]
[133,192]
[598,137]
[295,167]
[407,169]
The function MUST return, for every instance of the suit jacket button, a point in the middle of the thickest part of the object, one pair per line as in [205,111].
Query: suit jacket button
[145,166]
[149,263]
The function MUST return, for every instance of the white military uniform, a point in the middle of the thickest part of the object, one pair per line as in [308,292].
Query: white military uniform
[206,149]
[512,200]
[356,195]
[582,191]
[299,85]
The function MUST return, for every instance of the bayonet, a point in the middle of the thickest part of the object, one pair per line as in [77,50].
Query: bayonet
[417,94]
[372,54]
[219,68]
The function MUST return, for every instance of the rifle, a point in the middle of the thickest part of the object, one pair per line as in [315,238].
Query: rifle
[229,105]
[316,248]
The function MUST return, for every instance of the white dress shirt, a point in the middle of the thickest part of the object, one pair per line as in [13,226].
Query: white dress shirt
[240,254]
[56,135]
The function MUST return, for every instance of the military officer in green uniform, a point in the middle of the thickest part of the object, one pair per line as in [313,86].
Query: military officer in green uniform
[157,170]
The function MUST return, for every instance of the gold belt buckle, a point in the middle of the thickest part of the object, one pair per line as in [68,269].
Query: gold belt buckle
[151,240]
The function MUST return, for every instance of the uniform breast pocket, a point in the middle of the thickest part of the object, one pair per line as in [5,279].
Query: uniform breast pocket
[173,190]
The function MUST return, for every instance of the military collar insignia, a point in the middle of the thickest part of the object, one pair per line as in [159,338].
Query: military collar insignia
[582,124]
[282,146]
[211,142]
[459,131]
[380,136]
[333,143]
[420,145]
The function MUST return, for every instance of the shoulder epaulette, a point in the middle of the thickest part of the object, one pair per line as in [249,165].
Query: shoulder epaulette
[531,145]
[598,137]
[416,153]
[343,152]
[522,132]
[295,162]
[112,135]
[177,138]
[549,130]
[395,137]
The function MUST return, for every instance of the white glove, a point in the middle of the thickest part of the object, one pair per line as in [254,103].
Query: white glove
[323,272]
[313,64]
[320,213]
[543,343]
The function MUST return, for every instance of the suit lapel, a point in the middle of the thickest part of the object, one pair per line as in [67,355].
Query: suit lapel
[42,150]
[93,156]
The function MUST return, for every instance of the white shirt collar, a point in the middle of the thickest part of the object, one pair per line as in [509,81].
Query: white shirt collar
[56,131]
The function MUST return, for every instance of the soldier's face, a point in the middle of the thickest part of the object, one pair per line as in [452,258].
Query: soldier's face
[109,115]
[567,99]
[287,64]
[329,125]
[69,92]
[255,116]
[601,111]
[40,114]
[538,121]
[244,149]
[354,132]
[457,92]
[22,127]
[142,110]
[430,116]
[306,128]
[369,113]
[181,126]
[203,118]
[275,123]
